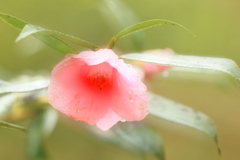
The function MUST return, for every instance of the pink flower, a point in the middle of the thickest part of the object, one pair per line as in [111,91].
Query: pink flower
[153,69]
[97,88]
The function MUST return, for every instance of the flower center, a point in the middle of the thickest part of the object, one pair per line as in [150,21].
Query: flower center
[100,75]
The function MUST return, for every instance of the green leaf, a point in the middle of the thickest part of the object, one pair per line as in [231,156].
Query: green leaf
[2,82]
[38,31]
[12,126]
[135,137]
[40,127]
[192,76]
[25,87]
[6,103]
[218,64]
[113,12]
[181,114]
[47,39]
[13,21]
[142,26]
[140,136]
[55,43]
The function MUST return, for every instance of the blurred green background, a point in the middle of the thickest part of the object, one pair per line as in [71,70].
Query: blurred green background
[216,24]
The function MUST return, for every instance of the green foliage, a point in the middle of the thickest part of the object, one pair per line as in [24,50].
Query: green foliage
[52,38]
[181,114]
[218,64]
[193,76]
[178,113]
[142,26]
[24,87]
[41,126]
[13,21]
[2,82]
[135,137]
[46,34]
[47,39]
[113,12]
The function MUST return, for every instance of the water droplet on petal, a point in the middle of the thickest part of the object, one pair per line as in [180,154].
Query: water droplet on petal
[131,100]
[141,107]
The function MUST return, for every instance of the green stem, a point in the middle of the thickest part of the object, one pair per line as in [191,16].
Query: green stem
[12,126]
[111,43]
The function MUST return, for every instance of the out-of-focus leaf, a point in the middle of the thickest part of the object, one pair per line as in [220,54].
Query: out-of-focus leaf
[218,64]
[141,136]
[181,114]
[135,137]
[25,87]
[142,26]
[12,126]
[2,82]
[113,12]
[45,38]
[41,126]
[46,34]
[6,103]
[193,76]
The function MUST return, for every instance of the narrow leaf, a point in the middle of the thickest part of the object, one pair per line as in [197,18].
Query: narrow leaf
[34,30]
[50,40]
[2,82]
[141,137]
[12,126]
[181,114]
[41,126]
[218,64]
[25,87]
[142,26]
[55,43]
[193,76]
[135,137]
[13,21]
[113,12]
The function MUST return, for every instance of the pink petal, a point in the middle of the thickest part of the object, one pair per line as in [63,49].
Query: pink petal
[153,69]
[109,120]
[129,100]
[73,94]
[93,58]
[97,87]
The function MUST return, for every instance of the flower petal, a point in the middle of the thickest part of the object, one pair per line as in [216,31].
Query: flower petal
[129,101]
[93,58]
[109,120]
[97,87]
[71,93]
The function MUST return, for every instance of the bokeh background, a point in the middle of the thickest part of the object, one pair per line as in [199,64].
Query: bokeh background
[216,24]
